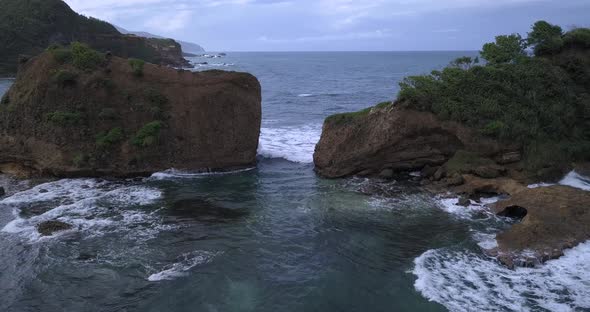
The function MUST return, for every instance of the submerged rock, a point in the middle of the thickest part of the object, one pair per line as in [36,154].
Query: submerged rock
[2,191]
[126,118]
[553,218]
[47,228]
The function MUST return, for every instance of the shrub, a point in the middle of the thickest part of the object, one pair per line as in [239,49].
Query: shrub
[64,77]
[136,67]
[62,118]
[148,134]
[79,160]
[62,55]
[156,101]
[344,118]
[84,57]
[579,37]
[107,139]
[5,99]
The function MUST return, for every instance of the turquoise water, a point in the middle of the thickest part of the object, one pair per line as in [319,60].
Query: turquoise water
[275,237]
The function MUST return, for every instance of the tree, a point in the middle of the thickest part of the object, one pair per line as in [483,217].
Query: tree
[506,49]
[546,38]
[464,62]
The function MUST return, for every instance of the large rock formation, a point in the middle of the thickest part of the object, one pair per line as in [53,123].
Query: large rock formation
[388,137]
[28,27]
[553,218]
[74,113]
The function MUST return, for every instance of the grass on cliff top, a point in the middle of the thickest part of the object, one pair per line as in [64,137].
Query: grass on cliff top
[344,118]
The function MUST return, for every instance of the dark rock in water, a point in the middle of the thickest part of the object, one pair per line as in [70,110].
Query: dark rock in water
[386,174]
[196,209]
[553,218]
[36,209]
[47,228]
[119,120]
[464,201]
[87,256]
[2,191]
[43,191]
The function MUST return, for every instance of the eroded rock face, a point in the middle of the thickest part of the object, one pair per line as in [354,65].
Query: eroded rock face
[118,120]
[395,138]
[553,219]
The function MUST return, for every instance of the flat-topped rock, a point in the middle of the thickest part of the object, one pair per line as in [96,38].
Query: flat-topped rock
[554,218]
[71,115]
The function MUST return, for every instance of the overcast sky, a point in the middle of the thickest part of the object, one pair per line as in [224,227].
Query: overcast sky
[342,25]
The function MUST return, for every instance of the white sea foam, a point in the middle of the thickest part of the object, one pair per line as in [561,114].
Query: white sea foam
[464,281]
[182,268]
[180,174]
[86,204]
[451,206]
[305,95]
[295,144]
[572,179]
[576,180]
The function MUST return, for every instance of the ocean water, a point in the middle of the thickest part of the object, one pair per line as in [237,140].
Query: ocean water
[275,237]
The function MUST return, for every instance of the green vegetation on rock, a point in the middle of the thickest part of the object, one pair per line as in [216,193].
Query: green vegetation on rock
[64,118]
[541,102]
[136,66]
[107,139]
[85,58]
[148,134]
[344,118]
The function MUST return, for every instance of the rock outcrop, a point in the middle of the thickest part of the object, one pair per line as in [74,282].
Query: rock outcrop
[120,117]
[554,218]
[392,138]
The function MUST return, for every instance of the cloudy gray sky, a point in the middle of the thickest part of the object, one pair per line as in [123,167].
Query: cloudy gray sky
[342,25]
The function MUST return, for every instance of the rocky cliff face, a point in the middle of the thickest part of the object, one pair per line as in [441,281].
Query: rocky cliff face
[389,139]
[125,118]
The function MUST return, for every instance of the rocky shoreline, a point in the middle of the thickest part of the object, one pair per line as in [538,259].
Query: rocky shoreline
[389,141]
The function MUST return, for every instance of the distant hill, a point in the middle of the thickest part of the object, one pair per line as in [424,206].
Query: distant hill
[186,46]
[28,27]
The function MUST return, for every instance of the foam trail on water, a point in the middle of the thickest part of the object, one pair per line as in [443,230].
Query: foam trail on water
[179,174]
[181,268]
[465,281]
[295,144]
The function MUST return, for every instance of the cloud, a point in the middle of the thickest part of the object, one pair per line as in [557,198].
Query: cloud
[333,24]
